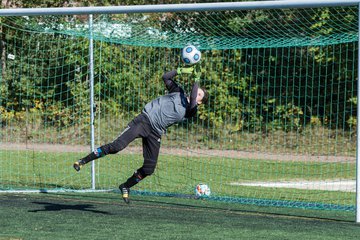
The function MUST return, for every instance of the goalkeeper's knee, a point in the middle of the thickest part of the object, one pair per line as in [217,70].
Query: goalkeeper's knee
[149,167]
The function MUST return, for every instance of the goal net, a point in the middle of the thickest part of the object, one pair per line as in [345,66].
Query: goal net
[279,128]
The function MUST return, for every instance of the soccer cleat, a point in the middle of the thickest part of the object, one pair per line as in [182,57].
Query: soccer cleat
[78,164]
[125,193]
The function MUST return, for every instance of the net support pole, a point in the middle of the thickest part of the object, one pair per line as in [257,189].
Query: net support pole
[357,206]
[91,80]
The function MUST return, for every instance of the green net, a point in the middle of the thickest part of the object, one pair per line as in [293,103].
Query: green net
[215,30]
[279,129]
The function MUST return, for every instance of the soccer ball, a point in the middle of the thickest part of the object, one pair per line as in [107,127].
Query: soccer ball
[202,190]
[190,55]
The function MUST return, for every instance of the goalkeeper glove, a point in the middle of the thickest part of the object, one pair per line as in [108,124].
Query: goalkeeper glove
[187,70]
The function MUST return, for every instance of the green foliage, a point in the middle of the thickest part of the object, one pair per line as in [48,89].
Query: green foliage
[288,117]
[266,89]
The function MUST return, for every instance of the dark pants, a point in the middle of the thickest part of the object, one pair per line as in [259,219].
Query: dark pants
[139,127]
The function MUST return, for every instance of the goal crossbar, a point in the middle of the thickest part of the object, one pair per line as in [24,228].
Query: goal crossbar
[223,6]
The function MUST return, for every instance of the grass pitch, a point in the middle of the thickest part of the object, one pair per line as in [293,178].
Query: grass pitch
[106,216]
[179,174]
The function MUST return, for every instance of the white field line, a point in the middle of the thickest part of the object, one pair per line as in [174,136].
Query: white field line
[343,186]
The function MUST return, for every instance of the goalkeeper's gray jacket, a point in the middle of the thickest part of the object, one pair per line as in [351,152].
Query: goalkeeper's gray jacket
[173,107]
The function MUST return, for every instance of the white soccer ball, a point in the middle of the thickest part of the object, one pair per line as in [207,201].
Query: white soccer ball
[190,55]
[202,190]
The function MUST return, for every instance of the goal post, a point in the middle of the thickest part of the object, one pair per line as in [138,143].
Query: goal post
[358,130]
[280,128]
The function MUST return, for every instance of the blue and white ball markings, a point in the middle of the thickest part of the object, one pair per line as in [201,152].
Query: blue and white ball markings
[190,55]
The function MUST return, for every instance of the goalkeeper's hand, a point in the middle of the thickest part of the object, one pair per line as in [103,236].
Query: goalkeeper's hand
[187,70]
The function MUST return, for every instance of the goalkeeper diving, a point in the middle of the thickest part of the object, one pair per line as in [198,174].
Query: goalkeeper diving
[151,124]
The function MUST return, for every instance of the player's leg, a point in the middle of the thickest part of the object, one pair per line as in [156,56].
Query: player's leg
[133,180]
[151,147]
[97,153]
[134,130]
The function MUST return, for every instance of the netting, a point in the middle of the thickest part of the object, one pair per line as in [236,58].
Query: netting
[279,128]
[215,30]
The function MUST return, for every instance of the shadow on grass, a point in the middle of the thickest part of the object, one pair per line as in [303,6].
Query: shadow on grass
[316,215]
[287,212]
[60,207]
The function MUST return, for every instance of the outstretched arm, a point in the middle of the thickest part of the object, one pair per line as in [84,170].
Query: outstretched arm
[170,84]
[192,107]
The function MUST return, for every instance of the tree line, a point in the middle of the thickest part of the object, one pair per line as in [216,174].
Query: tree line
[259,89]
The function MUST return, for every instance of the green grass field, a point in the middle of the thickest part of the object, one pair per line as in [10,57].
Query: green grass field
[177,174]
[106,216]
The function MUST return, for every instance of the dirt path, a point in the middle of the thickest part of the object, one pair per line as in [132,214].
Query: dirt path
[182,152]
